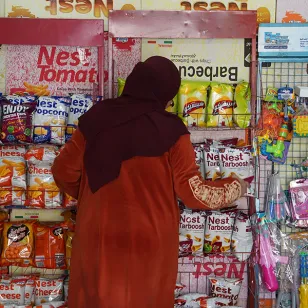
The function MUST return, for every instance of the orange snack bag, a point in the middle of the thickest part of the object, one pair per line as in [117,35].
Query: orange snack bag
[18,243]
[69,201]
[69,246]
[49,247]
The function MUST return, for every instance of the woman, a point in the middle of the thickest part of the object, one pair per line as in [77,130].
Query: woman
[126,164]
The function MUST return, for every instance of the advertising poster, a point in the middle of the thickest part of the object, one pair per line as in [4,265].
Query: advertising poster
[265,8]
[295,11]
[86,9]
[205,60]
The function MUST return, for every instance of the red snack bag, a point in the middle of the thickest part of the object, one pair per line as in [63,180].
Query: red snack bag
[18,243]
[49,247]
[69,201]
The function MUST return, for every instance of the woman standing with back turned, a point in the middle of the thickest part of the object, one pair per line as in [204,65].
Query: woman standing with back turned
[126,164]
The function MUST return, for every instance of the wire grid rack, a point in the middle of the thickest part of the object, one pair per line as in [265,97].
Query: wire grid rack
[278,75]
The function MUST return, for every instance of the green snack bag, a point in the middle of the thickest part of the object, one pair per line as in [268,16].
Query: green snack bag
[242,110]
[272,95]
[121,84]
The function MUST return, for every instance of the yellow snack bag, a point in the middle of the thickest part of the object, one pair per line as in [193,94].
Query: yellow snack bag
[173,108]
[220,106]
[121,84]
[242,110]
[192,103]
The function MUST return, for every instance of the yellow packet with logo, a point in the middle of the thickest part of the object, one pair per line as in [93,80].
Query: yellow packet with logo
[121,84]
[242,110]
[192,99]
[220,106]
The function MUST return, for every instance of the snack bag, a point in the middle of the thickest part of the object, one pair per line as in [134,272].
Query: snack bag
[17,122]
[50,119]
[12,291]
[211,161]
[196,300]
[12,175]
[218,230]
[192,229]
[49,247]
[242,110]
[69,201]
[45,153]
[173,108]
[178,289]
[220,106]
[80,104]
[242,240]
[18,243]
[227,288]
[42,189]
[200,158]
[192,99]
[121,84]
[66,286]
[19,99]
[48,290]
[69,246]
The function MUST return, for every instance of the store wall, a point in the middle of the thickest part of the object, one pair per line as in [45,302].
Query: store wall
[292,11]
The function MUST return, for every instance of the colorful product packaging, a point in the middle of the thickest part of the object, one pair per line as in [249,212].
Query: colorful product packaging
[192,99]
[242,109]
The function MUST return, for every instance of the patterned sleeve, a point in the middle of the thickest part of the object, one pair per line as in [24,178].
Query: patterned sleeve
[189,185]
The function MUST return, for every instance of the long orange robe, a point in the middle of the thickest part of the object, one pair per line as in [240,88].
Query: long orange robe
[125,249]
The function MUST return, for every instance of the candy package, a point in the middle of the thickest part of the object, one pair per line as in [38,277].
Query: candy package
[49,246]
[18,243]
[17,122]
[191,233]
[80,104]
[50,119]
[226,288]
[242,109]
[220,106]
[192,99]
[218,231]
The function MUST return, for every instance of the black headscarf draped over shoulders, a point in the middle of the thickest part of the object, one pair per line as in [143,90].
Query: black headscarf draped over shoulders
[135,124]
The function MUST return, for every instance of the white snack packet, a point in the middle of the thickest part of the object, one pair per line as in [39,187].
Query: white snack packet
[192,230]
[242,240]
[196,300]
[41,153]
[227,288]
[48,291]
[50,120]
[218,231]
[211,161]
[12,291]
[80,104]
[178,289]
[199,153]
[12,175]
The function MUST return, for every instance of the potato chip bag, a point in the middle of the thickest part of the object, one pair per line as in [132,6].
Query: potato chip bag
[220,106]
[242,110]
[121,84]
[12,175]
[18,243]
[192,99]
[49,247]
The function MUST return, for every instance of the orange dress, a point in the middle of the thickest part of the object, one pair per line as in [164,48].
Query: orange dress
[125,249]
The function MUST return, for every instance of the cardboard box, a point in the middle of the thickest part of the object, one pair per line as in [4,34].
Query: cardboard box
[266,8]
[221,60]
[295,11]
[87,9]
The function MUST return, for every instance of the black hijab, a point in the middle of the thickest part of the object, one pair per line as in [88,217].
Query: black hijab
[135,124]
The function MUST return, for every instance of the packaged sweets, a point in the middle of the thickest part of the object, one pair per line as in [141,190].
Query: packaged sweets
[80,104]
[17,122]
[218,231]
[220,106]
[121,84]
[226,288]
[242,240]
[48,290]
[192,99]
[242,110]
[12,175]
[49,246]
[191,229]
[50,120]
[18,243]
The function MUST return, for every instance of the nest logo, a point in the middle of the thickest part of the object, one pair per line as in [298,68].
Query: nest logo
[214,5]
